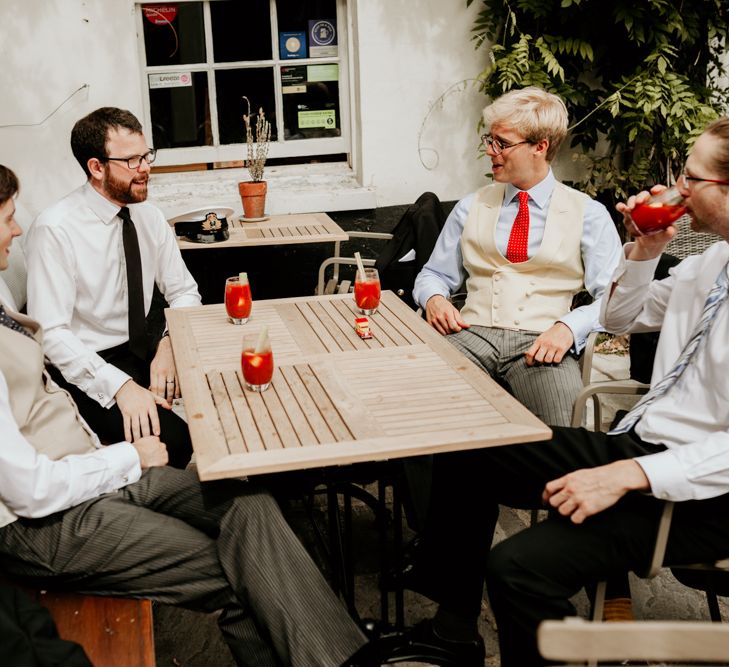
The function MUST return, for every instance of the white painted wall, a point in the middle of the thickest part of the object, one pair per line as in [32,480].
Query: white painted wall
[48,49]
[409,55]
[406,55]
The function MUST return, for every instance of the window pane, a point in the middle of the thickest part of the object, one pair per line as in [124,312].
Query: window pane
[307,29]
[311,101]
[257,85]
[173,33]
[296,14]
[241,30]
[180,115]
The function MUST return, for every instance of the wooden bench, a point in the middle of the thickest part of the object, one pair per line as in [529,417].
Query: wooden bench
[112,631]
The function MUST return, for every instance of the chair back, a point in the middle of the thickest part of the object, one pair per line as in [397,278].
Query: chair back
[688,242]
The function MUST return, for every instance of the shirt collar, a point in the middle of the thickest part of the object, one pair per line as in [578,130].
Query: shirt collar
[106,210]
[539,194]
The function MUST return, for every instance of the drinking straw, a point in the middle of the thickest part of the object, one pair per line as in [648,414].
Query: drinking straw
[243,278]
[262,340]
[360,265]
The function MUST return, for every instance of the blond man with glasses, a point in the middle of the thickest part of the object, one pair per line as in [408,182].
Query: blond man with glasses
[525,245]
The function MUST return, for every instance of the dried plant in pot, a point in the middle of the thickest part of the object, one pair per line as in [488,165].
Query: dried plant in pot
[258,137]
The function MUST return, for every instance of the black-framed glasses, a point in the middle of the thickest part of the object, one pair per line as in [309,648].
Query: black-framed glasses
[684,180]
[498,146]
[135,161]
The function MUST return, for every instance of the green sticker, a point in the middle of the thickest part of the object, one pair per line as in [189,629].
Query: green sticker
[326,118]
[327,72]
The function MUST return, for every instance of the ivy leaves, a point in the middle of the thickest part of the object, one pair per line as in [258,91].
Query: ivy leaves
[640,79]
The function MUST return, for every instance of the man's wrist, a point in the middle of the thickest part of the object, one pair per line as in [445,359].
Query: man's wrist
[433,296]
[633,475]
[165,337]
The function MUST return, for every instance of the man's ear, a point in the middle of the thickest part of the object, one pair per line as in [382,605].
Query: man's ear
[96,168]
[542,146]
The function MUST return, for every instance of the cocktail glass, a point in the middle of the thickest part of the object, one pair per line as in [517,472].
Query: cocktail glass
[367,291]
[256,363]
[237,299]
[659,211]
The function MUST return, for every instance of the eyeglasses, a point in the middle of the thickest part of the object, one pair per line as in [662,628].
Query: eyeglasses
[135,161]
[498,146]
[684,181]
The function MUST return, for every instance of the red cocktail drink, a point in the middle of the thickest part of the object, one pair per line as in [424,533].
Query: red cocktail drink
[237,300]
[652,217]
[257,368]
[660,211]
[367,291]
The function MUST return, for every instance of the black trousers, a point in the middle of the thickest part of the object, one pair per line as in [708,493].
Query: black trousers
[108,423]
[531,575]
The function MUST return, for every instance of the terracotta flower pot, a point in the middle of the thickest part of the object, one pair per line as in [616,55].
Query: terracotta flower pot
[253,196]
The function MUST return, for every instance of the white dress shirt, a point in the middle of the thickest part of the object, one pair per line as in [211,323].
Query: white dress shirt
[32,485]
[77,283]
[692,418]
[444,273]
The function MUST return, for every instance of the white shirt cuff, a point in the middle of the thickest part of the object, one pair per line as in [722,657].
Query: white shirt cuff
[666,476]
[106,383]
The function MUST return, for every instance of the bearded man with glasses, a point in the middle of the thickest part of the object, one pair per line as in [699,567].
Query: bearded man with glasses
[525,245]
[95,261]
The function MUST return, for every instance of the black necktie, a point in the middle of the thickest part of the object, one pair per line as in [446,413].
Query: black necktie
[137,333]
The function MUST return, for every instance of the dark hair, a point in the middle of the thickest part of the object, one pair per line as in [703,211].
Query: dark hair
[89,135]
[9,185]
[720,130]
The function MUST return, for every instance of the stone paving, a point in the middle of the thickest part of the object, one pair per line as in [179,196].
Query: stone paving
[189,639]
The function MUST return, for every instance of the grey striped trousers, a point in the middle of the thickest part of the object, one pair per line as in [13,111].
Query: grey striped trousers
[549,391]
[213,546]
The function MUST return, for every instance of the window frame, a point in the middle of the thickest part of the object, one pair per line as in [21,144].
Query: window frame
[280,148]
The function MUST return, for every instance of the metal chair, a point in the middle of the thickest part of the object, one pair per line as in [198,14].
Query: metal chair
[335,284]
[712,578]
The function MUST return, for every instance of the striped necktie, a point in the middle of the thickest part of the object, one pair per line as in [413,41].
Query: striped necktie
[716,297]
[7,321]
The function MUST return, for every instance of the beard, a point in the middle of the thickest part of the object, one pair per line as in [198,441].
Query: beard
[131,192]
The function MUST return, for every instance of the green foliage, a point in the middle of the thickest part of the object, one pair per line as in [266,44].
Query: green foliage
[640,77]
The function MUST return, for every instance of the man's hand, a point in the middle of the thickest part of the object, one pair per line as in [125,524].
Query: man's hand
[550,346]
[152,452]
[443,316]
[162,372]
[646,246]
[139,410]
[585,492]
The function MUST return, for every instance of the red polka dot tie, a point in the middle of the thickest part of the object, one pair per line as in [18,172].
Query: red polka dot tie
[516,251]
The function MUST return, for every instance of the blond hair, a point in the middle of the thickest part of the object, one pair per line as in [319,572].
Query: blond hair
[534,113]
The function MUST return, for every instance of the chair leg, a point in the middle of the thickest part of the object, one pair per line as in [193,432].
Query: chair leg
[597,412]
[714,610]
[397,512]
[598,606]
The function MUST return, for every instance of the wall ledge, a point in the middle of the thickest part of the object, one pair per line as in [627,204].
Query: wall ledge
[291,189]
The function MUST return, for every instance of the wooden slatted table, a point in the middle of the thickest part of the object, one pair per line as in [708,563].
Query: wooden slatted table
[335,398]
[276,230]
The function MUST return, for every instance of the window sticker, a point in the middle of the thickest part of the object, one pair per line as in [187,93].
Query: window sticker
[170,80]
[326,118]
[322,38]
[159,14]
[292,45]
